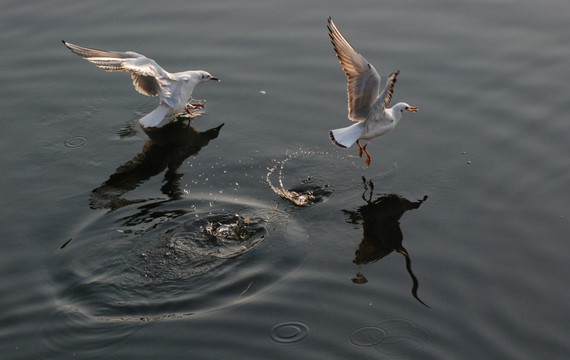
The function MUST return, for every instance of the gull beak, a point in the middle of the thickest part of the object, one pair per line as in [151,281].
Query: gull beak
[214,78]
[413,109]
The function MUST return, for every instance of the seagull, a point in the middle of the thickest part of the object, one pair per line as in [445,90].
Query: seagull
[366,105]
[174,90]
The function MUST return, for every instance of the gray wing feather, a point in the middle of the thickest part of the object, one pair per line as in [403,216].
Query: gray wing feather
[363,79]
[386,94]
[148,77]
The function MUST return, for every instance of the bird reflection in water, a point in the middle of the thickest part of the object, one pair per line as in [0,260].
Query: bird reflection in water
[382,235]
[167,148]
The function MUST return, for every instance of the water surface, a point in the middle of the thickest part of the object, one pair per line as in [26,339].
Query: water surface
[244,232]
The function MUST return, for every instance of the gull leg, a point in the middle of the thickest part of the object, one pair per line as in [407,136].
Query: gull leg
[367,155]
[359,148]
[193,107]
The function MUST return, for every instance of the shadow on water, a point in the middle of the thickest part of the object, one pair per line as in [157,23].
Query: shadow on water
[167,148]
[380,220]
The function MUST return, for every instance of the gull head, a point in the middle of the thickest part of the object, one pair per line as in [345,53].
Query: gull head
[402,106]
[204,76]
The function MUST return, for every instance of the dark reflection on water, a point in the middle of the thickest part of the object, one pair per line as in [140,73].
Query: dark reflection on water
[170,257]
[380,220]
[151,213]
[167,148]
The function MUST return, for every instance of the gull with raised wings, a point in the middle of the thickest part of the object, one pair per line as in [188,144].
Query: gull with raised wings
[174,90]
[366,104]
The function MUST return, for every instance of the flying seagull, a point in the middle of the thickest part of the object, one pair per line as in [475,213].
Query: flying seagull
[174,90]
[366,105]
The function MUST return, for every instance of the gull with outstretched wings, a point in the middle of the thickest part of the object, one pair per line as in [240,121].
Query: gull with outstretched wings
[174,90]
[367,106]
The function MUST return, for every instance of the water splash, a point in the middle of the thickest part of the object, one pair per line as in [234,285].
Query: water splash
[309,190]
[297,198]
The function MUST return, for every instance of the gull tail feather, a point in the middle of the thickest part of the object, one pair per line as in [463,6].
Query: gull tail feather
[154,118]
[345,137]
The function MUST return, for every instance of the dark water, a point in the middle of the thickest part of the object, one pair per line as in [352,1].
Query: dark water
[245,233]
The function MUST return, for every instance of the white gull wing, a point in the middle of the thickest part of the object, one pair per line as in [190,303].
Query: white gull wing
[148,77]
[378,113]
[363,79]
[345,137]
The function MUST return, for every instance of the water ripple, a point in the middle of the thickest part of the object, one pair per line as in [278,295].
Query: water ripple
[367,336]
[75,142]
[391,337]
[175,259]
[289,332]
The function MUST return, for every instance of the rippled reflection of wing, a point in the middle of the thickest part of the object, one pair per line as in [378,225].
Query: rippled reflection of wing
[363,79]
[148,77]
